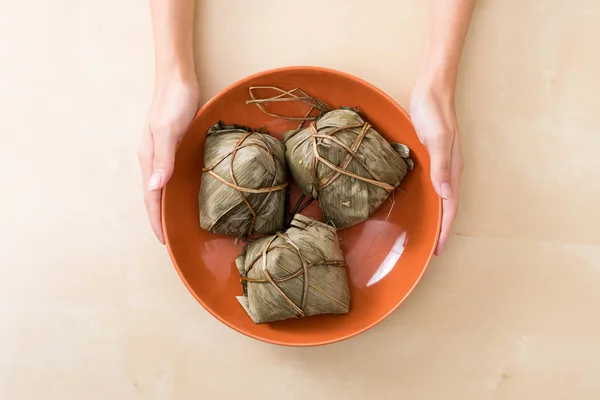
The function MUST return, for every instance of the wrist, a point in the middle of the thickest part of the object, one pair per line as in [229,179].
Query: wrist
[436,85]
[177,75]
[437,76]
[171,70]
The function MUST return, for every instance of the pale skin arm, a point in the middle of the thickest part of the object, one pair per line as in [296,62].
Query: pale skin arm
[175,102]
[432,105]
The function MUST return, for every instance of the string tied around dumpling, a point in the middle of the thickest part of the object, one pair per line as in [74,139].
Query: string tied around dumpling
[234,183]
[354,156]
[350,156]
[301,273]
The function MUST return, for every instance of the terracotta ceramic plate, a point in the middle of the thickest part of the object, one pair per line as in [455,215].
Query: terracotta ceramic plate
[386,255]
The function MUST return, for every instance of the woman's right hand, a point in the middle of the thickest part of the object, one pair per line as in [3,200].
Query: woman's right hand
[173,108]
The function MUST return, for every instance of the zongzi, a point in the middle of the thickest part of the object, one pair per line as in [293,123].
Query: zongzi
[243,182]
[342,161]
[294,274]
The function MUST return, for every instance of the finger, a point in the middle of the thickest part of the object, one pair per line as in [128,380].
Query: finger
[450,206]
[449,210]
[165,145]
[440,152]
[146,155]
[151,198]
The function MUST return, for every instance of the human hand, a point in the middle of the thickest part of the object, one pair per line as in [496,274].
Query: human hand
[173,107]
[434,118]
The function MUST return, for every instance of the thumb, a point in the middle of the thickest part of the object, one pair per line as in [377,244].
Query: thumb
[440,152]
[164,160]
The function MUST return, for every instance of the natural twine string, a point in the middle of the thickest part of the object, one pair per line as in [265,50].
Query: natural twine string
[288,96]
[303,271]
[342,168]
[314,103]
[234,184]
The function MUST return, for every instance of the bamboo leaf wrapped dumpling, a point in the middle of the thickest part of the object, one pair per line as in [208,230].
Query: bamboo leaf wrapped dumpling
[243,182]
[294,274]
[345,164]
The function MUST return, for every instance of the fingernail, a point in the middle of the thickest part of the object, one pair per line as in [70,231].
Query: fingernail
[154,181]
[446,192]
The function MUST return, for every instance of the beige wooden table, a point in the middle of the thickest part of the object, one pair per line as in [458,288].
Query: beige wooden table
[91,308]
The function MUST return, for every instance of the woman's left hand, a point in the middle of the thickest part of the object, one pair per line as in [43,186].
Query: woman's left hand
[434,117]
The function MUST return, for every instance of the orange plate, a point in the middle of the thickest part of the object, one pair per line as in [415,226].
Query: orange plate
[386,255]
